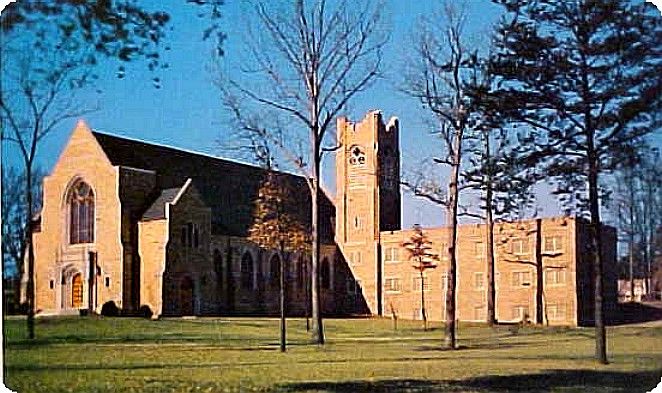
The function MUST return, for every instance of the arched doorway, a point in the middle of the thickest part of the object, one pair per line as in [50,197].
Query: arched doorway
[77,291]
[186,296]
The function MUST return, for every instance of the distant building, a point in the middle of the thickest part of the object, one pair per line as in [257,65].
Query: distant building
[147,225]
[626,294]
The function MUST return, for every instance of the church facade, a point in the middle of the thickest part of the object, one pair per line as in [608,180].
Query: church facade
[148,226]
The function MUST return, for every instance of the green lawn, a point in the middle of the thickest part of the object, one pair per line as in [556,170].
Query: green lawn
[227,355]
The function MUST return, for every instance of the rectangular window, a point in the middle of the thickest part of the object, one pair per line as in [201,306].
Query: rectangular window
[553,244]
[443,252]
[51,284]
[521,279]
[555,311]
[183,238]
[392,284]
[358,223]
[479,313]
[521,313]
[479,280]
[416,283]
[520,246]
[444,282]
[479,250]
[555,277]
[107,282]
[355,258]
[391,254]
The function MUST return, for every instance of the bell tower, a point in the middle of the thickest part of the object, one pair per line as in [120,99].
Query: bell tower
[368,196]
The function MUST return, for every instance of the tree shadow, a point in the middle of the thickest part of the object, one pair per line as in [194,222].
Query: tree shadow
[552,380]
[628,313]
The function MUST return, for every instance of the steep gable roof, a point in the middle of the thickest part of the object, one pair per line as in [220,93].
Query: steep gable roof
[157,210]
[227,187]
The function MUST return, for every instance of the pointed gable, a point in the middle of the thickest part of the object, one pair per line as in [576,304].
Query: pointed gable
[81,146]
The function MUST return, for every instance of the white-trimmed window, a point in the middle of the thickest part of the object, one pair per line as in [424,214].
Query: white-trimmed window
[479,280]
[553,244]
[358,223]
[555,277]
[479,250]
[392,284]
[521,313]
[521,279]
[555,311]
[391,254]
[479,313]
[520,246]
[416,283]
[443,252]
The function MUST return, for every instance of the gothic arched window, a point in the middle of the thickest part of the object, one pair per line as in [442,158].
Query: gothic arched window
[80,202]
[247,271]
[274,267]
[325,272]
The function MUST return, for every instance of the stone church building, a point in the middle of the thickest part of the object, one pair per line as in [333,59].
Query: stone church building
[144,225]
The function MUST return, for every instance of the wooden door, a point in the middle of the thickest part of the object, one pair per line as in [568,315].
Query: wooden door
[77,291]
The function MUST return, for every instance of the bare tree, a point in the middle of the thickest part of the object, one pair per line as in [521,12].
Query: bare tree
[14,220]
[305,63]
[444,70]
[36,97]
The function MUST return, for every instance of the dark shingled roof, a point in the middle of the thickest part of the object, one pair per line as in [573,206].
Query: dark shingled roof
[157,210]
[227,187]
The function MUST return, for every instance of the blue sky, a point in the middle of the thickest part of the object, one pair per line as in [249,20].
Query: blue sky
[186,112]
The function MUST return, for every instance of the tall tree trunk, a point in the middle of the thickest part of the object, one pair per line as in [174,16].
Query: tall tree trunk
[452,228]
[631,186]
[596,251]
[540,281]
[423,313]
[491,287]
[282,298]
[30,293]
[317,327]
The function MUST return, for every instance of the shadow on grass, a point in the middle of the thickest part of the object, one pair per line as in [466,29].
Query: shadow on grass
[628,313]
[552,380]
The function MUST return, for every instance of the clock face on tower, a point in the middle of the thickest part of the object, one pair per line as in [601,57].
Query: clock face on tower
[357,156]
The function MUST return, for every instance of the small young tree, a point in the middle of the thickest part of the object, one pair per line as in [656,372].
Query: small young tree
[276,227]
[419,248]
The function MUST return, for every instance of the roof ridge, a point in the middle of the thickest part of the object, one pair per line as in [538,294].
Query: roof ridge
[188,151]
